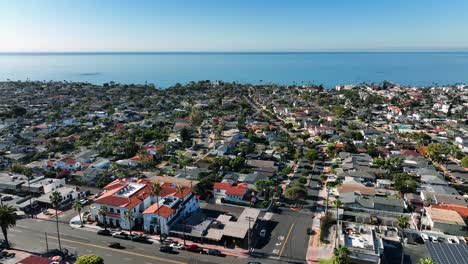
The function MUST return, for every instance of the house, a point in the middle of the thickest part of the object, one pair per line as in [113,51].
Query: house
[169,208]
[446,221]
[363,244]
[462,143]
[234,193]
[151,213]
[319,130]
[66,163]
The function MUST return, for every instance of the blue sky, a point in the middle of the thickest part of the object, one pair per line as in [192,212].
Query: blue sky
[232,25]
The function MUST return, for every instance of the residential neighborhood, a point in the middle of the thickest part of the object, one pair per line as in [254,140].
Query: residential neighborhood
[251,173]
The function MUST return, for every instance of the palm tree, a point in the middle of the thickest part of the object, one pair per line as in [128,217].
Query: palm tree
[427,260]
[78,206]
[130,217]
[55,199]
[7,220]
[402,221]
[180,189]
[156,191]
[103,212]
[340,255]
[337,204]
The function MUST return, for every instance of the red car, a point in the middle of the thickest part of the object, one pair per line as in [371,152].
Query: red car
[194,248]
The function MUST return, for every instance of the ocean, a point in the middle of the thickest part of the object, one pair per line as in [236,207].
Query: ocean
[166,69]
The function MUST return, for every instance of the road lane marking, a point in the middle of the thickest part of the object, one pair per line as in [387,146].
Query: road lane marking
[121,251]
[286,240]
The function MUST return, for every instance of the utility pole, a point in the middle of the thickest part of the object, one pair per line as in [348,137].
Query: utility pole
[47,243]
[250,219]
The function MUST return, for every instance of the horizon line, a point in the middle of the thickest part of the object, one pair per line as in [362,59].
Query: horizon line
[225,52]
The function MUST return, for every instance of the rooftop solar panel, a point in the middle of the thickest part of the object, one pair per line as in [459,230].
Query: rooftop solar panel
[444,253]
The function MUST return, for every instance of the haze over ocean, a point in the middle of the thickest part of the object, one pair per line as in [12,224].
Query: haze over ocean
[166,69]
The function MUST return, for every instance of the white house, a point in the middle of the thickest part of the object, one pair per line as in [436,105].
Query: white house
[153,214]
[226,191]
[67,164]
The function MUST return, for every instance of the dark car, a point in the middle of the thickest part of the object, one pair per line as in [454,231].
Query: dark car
[121,235]
[256,254]
[7,198]
[253,262]
[141,239]
[104,232]
[310,231]
[165,249]
[214,252]
[116,245]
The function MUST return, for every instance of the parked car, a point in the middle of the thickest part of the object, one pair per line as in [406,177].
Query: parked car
[116,245]
[310,231]
[6,198]
[141,239]
[84,201]
[121,235]
[263,233]
[165,249]
[215,252]
[177,245]
[256,254]
[193,248]
[424,236]
[104,232]
[433,239]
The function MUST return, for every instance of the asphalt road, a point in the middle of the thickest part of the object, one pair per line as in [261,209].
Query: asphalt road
[30,235]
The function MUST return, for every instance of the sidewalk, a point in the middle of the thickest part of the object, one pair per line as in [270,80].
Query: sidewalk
[237,252]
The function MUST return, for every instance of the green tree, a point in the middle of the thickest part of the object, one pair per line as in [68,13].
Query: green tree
[464,162]
[78,206]
[296,193]
[128,215]
[403,221]
[404,183]
[427,260]
[311,155]
[55,199]
[196,116]
[185,134]
[437,151]
[7,220]
[89,259]
[237,163]
[340,255]
[102,211]
[260,185]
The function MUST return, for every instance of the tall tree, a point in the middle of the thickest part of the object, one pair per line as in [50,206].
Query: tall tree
[55,199]
[103,212]
[7,220]
[128,215]
[78,206]
[340,255]
[427,260]
[403,221]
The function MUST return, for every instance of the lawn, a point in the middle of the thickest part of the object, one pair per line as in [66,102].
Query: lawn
[325,261]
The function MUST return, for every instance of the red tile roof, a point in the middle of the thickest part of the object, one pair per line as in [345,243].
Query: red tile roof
[129,202]
[34,260]
[238,190]
[163,211]
[111,198]
[460,209]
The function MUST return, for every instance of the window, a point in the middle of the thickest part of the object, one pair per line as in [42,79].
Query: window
[118,211]
[111,210]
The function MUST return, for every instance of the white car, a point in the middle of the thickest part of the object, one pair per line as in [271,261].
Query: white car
[177,245]
[263,233]
[434,239]
[424,236]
